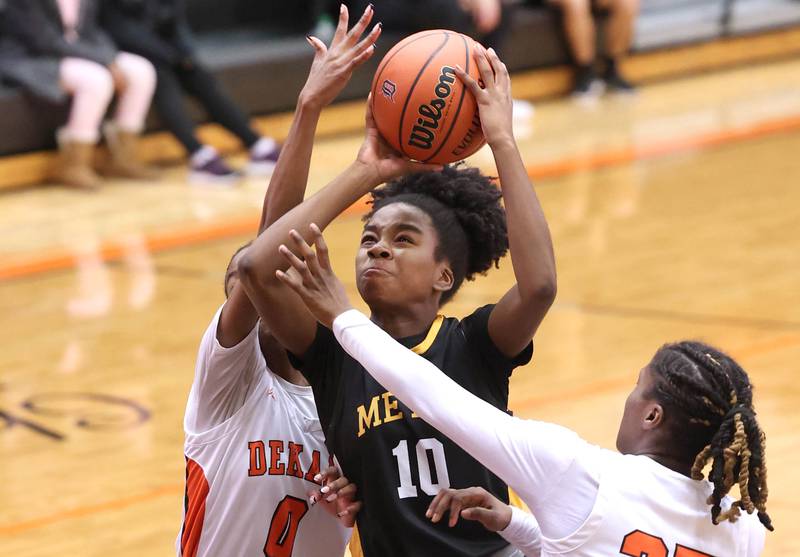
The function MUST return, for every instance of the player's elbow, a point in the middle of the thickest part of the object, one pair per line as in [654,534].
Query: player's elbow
[250,273]
[546,291]
[541,293]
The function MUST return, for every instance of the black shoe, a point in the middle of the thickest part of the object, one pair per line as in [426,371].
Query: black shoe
[618,84]
[614,80]
[586,86]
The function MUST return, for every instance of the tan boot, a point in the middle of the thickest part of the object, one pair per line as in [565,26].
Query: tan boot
[74,165]
[124,161]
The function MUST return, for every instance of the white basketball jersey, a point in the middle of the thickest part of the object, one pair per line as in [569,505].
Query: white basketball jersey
[593,502]
[646,510]
[253,446]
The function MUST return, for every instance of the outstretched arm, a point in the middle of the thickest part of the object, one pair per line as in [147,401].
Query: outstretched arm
[531,457]
[515,318]
[288,183]
[518,527]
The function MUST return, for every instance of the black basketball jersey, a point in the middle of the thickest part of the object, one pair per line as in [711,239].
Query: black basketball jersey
[397,460]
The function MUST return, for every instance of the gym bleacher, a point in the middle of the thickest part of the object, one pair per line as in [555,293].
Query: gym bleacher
[259,51]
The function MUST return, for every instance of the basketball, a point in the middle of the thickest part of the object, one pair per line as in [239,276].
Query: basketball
[420,106]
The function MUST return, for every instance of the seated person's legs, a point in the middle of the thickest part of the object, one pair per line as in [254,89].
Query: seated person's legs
[619,35]
[140,84]
[205,163]
[203,86]
[92,88]
[580,32]
[135,95]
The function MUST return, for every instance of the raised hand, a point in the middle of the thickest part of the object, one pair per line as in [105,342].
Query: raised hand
[337,496]
[485,13]
[494,98]
[311,276]
[383,159]
[333,66]
[473,503]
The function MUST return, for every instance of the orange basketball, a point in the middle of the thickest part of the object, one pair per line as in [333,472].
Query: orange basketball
[420,106]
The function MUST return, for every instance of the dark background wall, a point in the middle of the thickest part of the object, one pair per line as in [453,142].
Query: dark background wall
[257,48]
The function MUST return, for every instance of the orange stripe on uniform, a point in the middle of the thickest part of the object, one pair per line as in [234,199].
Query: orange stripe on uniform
[194,508]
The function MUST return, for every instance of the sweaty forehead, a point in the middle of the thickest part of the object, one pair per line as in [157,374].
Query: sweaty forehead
[396,214]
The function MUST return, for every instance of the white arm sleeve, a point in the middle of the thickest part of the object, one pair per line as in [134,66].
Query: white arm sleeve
[523,533]
[531,457]
[223,378]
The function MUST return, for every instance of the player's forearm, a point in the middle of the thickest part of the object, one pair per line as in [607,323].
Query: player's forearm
[528,234]
[257,267]
[523,533]
[289,179]
[495,439]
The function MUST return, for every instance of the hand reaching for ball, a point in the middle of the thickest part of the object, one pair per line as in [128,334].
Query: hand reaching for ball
[382,158]
[333,66]
[494,98]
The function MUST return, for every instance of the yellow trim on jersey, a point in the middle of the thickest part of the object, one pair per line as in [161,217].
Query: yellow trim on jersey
[354,549]
[515,501]
[423,346]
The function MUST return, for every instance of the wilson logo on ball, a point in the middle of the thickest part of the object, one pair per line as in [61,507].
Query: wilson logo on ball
[423,134]
[388,89]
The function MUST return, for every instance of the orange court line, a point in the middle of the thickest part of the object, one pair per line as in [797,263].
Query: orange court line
[188,236]
[603,159]
[116,504]
[605,386]
[197,233]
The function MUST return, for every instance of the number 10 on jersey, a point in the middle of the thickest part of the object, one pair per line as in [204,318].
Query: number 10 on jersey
[424,447]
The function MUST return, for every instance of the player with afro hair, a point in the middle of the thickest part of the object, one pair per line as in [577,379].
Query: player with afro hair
[464,207]
[429,229]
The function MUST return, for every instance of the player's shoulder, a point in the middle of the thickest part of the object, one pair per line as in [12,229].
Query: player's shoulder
[210,344]
[478,317]
[448,325]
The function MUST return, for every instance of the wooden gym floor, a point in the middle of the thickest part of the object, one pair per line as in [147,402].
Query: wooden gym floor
[675,214]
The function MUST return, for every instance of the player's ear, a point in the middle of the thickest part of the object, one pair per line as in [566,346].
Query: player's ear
[444,279]
[653,416]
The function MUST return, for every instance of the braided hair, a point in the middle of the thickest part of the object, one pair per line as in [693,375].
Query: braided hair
[708,402]
[464,207]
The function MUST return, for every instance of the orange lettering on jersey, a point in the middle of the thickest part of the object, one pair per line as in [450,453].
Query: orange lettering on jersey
[642,544]
[293,466]
[276,467]
[683,551]
[258,465]
[263,461]
[314,469]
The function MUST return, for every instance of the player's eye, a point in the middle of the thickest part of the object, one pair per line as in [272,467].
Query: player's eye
[404,240]
[367,239]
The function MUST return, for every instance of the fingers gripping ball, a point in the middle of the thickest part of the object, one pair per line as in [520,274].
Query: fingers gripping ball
[420,107]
